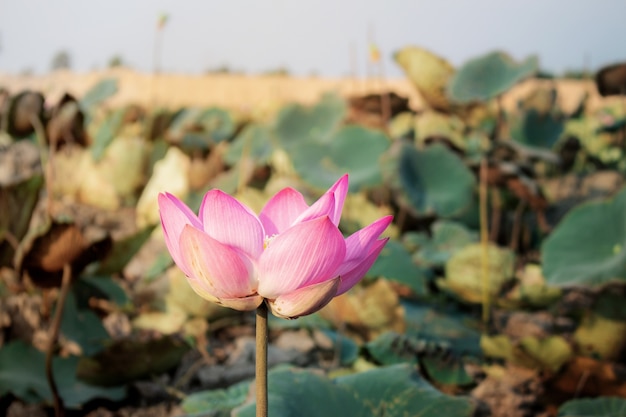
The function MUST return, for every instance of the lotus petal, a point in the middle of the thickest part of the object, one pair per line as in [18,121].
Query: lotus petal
[175,215]
[228,221]
[305,300]
[223,271]
[306,254]
[282,210]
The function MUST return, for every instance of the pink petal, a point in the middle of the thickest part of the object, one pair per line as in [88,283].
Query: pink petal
[221,270]
[358,244]
[228,221]
[305,300]
[282,210]
[202,290]
[340,190]
[324,206]
[175,215]
[242,304]
[349,278]
[305,254]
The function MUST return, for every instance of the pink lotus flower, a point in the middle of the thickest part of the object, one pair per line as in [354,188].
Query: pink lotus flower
[291,255]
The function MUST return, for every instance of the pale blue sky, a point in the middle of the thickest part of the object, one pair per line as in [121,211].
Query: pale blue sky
[306,35]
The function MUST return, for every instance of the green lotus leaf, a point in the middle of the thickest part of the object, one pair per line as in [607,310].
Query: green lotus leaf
[99,93]
[392,391]
[395,264]
[355,150]
[398,390]
[17,204]
[126,360]
[108,129]
[22,372]
[218,402]
[488,76]
[83,326]
[448,237]
[218,123]
[597,407]
[392,348]
[588,247]
[536,129]
[254,142]
[436,181]
[444,329]
[296,123]
[123,250]
[429,73]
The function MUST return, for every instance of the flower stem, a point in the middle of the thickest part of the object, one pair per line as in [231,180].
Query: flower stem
[59,409]
[261,360]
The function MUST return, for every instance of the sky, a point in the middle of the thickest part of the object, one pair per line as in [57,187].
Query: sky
[306,36]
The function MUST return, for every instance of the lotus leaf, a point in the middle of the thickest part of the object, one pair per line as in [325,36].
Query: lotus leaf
[448,237]
[296,123]
[435,125]
[353,149]
[444,329]
[22,373]
[588,246]
[429,73]
[254,142]
[99,93]
[83,326]
[597,407]
[436,181]
[488,76]
[395,263]
[391,391]
[216,403]
[17,203]
[464,271]
[602,331]
[536,129]
[402,126]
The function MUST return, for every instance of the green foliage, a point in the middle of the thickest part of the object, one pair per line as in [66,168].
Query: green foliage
[22,373]
[488,76]
[124,361]
[436,181]
[296,124]
[17,203]
[443,328]
[353,149]
[216,403]
[98,94]
[395,264]
[255,142]
[390,391]
[596,407]
[347,348]
[588,246]
[107,131]
[123,250]
[101,287]
[83,326]
[447,238]
[535,129]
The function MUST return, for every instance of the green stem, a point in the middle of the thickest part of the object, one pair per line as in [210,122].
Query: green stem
[261,360]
